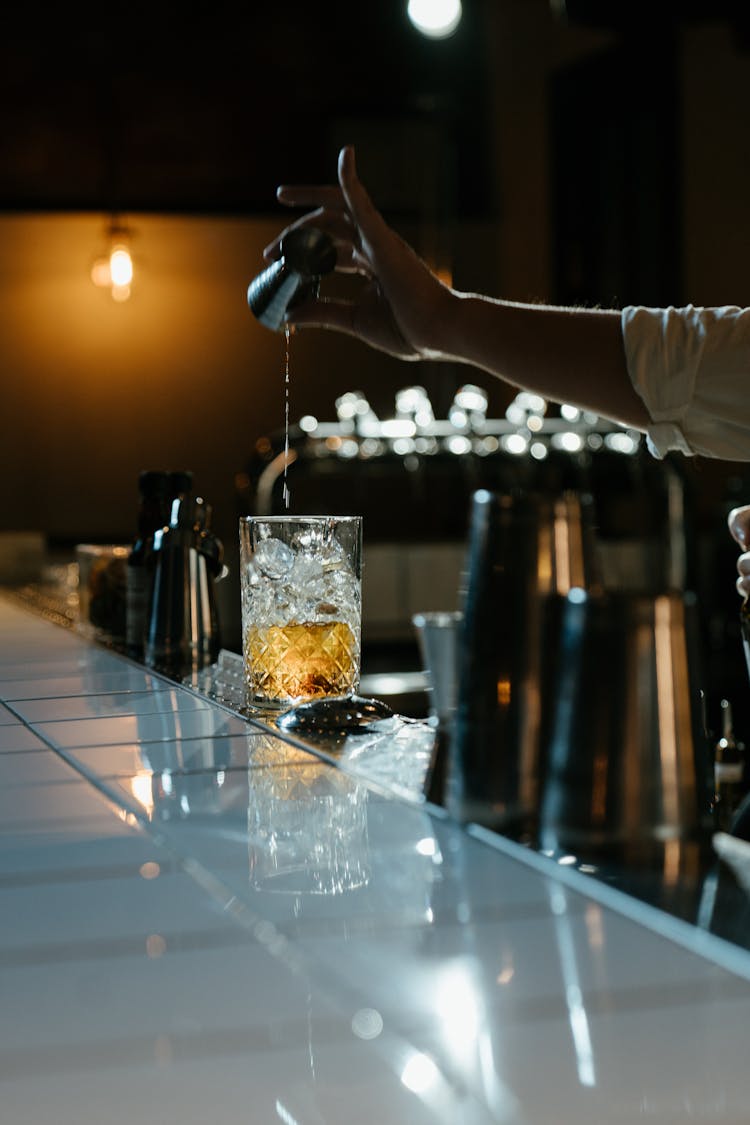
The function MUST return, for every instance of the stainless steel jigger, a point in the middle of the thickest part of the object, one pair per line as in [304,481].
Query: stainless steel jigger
[306,254]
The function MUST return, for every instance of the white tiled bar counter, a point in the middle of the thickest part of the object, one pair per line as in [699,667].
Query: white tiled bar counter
[149,974]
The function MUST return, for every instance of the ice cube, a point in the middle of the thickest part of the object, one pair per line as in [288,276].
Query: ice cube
[274,558]
[252,577]
[309,539]
[333,556]
[305,569]
[260,604]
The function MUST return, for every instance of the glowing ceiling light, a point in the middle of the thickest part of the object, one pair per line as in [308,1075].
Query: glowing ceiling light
[437,19]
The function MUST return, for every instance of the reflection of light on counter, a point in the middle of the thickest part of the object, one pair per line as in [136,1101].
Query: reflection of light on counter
[594,926]
[140,787]
[459,1007]
[284,1115]
[419,1073]
[503,693]
[456,1002]
[367,1023]
[577,1016]
[507,972]
[156,945]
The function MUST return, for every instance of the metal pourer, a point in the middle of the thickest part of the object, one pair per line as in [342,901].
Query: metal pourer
[306,254]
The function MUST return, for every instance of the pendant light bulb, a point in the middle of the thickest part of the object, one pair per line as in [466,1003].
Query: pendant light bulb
[114,271]
[120,265]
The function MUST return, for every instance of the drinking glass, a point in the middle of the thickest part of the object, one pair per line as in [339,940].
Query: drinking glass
[301,607]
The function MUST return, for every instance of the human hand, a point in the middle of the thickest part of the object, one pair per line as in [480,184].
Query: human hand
[399,305]
[738,521]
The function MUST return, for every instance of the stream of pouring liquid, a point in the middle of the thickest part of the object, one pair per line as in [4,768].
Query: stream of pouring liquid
[287,338]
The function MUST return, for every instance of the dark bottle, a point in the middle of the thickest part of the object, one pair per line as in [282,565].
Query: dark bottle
[729,773]
[157,488]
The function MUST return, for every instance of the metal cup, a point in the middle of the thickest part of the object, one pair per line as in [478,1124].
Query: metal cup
[626,759]
[306,255]
[522,547]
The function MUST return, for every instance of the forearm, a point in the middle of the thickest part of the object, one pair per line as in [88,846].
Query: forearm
[566,355]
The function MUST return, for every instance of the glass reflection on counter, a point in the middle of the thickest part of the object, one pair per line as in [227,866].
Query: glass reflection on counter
[307,828]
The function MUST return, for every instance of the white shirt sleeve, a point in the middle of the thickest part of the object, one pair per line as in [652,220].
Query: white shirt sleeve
[691,367]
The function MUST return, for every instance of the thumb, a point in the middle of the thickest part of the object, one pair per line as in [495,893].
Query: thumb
[739,524]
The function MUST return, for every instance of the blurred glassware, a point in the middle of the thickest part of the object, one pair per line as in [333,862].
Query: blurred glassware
[102,584]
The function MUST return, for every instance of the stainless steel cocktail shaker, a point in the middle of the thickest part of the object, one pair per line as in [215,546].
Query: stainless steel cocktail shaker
[306,255]
[183,628]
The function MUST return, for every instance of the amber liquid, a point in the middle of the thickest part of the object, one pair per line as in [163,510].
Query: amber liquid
[301,660]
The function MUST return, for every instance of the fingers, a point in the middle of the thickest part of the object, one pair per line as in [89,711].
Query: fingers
[328,313]
[738,522]
[310,195]
[338,225]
